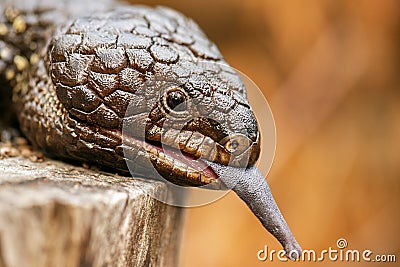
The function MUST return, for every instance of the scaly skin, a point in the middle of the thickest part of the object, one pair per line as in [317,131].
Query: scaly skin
[115,87]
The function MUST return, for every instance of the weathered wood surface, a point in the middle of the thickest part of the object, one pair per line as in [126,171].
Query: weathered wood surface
[55,214]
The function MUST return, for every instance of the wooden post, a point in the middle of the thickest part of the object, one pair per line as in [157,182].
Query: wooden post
[55,214]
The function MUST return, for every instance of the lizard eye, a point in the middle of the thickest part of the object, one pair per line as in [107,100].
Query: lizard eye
[176,100]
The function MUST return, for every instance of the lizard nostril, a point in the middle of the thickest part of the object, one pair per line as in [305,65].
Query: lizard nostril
[232,146]
[236,144]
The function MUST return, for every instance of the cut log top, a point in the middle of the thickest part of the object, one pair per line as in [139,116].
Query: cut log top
[56,214]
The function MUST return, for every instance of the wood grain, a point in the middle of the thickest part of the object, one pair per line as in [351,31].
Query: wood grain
[56,214]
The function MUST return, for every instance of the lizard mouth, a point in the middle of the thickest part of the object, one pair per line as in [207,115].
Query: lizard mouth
[180,167]
[180,157]
[153,158]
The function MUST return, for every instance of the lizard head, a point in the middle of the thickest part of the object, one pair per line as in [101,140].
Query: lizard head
[134,77]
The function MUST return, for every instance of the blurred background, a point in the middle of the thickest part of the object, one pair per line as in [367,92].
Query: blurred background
[330,71]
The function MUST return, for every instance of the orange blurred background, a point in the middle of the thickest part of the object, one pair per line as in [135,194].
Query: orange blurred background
[330,71]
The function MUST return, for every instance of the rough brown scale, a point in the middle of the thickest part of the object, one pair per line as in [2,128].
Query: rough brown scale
[77,79]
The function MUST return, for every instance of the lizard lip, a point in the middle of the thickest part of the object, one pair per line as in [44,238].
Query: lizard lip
[188,168]
[173,164]
[186,158]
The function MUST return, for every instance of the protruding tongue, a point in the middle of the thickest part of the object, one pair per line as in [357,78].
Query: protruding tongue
[251,186]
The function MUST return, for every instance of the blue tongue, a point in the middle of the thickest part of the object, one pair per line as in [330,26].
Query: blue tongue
[250,185]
